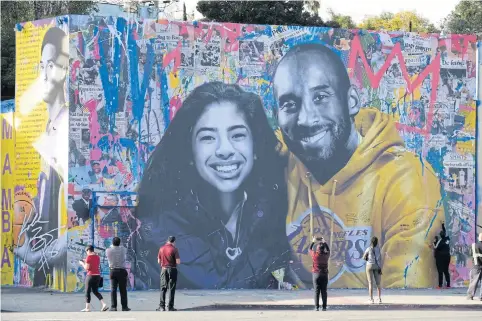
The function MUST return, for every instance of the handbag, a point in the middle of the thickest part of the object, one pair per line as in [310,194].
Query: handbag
[376,261]
[101,282]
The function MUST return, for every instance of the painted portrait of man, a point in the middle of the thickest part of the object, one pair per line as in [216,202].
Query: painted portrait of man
[349,167]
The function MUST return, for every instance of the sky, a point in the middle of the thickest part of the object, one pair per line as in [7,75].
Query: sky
[434,10]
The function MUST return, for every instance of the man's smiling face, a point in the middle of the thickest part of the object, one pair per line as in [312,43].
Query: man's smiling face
[312,105]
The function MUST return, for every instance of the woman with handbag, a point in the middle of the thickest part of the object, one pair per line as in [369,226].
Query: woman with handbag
[374,268]
[93,278]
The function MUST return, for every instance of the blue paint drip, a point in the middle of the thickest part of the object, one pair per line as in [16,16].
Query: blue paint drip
[82,44]
[431,225]
[405,272]
[421,161]
[131,145]
[435,158]
[164,94]
[104,144]
[138,94]
[111,90]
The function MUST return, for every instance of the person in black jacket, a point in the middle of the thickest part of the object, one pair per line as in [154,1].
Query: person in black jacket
[442,257]
[215,180]
[83,205]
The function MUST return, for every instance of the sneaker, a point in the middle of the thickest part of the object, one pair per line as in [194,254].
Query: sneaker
[317,309]
[161,309]
[126,309]
[85,310]
[324,309]
[104,308]
[470,297]
[113,309]
[439,288]
[448,287]
[172,309]
[370,301]
[379,300]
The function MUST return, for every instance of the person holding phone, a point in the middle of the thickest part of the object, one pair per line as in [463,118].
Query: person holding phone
[92,265]
[320,253]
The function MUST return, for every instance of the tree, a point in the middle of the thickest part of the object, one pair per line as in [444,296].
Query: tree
[14,12]
[312,6]
[345,22]
[465,18]
[259,12]
[398,21]
[184,12]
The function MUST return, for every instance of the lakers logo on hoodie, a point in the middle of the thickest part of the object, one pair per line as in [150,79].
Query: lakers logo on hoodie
[347,244]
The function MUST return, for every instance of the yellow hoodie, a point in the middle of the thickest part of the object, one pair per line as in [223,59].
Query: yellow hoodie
[384,191]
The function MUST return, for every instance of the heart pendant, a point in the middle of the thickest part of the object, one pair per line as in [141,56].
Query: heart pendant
[233,253]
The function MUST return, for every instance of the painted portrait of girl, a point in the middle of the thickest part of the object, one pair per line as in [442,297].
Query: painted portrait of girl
[216,182]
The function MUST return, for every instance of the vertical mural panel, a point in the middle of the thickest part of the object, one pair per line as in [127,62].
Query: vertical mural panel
[41,121]
[245,140]
[7,165]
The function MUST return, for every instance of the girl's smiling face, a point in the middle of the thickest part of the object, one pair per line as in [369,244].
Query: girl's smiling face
[222,145]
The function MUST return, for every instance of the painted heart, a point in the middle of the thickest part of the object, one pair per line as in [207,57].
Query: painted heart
[233,253]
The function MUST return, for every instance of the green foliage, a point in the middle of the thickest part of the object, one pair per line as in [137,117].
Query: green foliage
[398,21]
[259,12]
[466,18]
[14,12]
[345,22]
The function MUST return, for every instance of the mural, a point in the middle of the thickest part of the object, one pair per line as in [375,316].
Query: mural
[244,140]
[41,122]
[7,165]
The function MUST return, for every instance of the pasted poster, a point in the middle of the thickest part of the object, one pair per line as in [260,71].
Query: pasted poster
[7,167]
[41,121]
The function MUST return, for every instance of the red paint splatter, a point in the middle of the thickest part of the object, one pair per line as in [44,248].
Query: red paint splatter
[396,52]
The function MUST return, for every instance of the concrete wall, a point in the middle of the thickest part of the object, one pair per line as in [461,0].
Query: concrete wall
[243,141]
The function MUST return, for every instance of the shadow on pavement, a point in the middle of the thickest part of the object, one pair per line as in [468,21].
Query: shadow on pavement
[351,307]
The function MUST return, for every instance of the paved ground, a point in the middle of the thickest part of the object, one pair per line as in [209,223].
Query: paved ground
[34,304]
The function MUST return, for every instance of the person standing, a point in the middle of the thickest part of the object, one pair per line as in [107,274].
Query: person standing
[168,258]
[442,257]
[374,268]
[116,255]
[320,253]
[92,280]
[476,272]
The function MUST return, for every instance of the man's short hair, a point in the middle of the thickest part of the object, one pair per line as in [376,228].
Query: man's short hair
[321,247]
[335,61]
[116,241]
[171,239]
[56,37]
[90,248]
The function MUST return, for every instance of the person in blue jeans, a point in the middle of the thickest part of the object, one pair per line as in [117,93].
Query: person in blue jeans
[320,253]
[374,268]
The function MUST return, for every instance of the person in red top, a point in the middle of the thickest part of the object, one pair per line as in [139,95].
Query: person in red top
[320,253]
[92,280]
[168,258]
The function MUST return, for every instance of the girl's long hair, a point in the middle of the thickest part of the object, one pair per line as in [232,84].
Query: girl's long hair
[170,175]
[374,242]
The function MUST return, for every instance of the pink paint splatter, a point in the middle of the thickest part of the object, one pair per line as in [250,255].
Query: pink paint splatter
[91,105]
[357,54]
[174,55]
[174,105]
